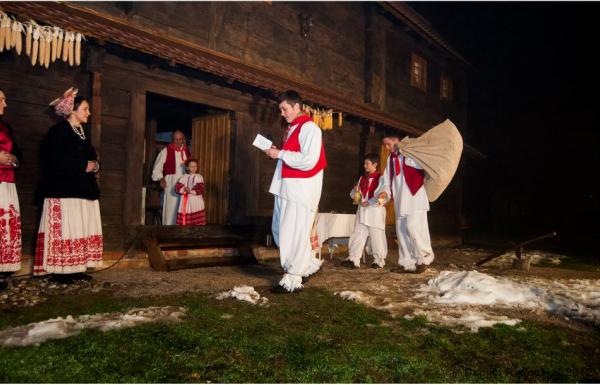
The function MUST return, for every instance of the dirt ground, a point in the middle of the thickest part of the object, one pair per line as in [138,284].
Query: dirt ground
[379,288]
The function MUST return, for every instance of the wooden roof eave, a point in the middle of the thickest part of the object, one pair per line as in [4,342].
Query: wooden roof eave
[120,31]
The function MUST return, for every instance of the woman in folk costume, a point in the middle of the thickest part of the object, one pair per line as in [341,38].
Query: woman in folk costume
[296,184]
[69,239]
[404,180]
[370,216]
[191,205]
[168,168]
[10,217]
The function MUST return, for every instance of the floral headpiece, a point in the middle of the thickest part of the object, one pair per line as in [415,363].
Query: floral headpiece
[63,106]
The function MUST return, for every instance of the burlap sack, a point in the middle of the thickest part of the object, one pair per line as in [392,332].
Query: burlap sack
[438,152]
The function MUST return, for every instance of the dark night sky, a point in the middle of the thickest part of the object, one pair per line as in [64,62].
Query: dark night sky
[533,91]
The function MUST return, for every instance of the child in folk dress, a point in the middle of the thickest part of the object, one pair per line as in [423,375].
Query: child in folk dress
[370,196]
[191,205]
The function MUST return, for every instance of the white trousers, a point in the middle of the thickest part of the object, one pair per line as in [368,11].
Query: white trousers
[357,241]
[170,202]
[414,242]
[291,227]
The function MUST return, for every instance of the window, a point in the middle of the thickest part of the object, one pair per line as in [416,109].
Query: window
[445,87]
[418,73]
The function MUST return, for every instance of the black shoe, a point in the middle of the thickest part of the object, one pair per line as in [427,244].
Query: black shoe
[420,269]
[376,266]
[282,290]
[349,264]
[399,270]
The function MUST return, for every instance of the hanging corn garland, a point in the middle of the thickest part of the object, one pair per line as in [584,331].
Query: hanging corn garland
[323,118]
[43,44]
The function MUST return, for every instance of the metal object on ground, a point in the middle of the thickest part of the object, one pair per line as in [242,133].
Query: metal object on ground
[520,263]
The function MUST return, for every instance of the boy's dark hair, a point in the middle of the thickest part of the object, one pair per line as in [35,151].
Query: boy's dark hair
[291,97]
[390,134]
[374,158]
[192,160]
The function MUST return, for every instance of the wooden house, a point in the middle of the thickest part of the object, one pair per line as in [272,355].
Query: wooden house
[213,69]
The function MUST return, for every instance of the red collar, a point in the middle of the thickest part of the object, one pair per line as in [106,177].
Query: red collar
[174,148]
[300,119]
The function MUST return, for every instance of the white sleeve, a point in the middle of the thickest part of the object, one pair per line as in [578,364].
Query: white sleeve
[310,145]
[381,187]
[157,171]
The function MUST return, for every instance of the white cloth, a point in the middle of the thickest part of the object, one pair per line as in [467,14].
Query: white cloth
[305,191]
[195,201]
[70,236]
[292,224]
[414,243]
[10,228]
[170,201]
[330,225]
[296,204]
[404,202]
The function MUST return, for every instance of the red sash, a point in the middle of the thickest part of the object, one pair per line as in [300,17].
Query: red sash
[293,144]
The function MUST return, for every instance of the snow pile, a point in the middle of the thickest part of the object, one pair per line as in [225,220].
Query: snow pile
[575,299]
[59,328]
[244,293]
[472,320]
[474,288]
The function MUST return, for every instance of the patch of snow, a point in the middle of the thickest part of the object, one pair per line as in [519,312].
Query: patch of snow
[573,299]
[356,296]
[536,258]
[244,293]
[472,320]
[59,328]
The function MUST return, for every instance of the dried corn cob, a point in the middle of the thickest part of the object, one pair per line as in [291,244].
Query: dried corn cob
[71,49]
[34,48]
[6,25]
[78,48]
[340,119]
[28,34]
[54,44]
[59,43]
[65,55]
[48,47]
[42,47]
[4,22]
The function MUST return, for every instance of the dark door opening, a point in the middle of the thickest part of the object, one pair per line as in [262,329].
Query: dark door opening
[163,116]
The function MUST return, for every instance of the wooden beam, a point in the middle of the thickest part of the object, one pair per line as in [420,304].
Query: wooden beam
[96,106]
[132,198]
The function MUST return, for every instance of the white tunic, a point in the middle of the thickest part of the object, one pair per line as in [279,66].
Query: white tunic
[170,201]
[372,215]
[404,202]
[305,191]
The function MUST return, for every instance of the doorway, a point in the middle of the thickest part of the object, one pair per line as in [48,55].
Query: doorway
[208,135]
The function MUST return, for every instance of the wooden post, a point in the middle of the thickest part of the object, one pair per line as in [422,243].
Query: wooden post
[132,204]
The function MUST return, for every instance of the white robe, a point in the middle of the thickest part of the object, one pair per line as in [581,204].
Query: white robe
[414,242]
[170,201]
[296,204]
[370,223]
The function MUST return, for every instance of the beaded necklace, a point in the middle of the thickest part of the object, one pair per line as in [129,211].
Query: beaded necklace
[78,130]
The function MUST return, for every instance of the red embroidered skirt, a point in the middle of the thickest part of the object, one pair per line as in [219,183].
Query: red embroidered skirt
[69,238]
[191,219]
[10,228]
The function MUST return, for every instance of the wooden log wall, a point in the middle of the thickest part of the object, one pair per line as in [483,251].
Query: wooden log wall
[333,56]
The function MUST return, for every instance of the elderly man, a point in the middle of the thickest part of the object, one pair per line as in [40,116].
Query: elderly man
[168,168]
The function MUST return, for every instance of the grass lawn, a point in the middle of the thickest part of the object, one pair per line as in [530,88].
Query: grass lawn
[308,337]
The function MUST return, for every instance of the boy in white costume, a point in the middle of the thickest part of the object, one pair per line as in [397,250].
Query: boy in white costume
[370,216]
[296,184]
[404,181]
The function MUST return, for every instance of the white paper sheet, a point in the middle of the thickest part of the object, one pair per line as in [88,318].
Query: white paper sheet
[262,142]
